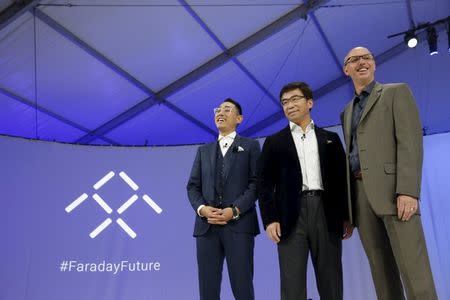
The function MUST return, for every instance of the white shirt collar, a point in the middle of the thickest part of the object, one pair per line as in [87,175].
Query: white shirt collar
[295,127]
[231,136]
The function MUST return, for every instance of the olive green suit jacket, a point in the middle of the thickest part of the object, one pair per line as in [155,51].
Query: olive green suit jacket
[389,145]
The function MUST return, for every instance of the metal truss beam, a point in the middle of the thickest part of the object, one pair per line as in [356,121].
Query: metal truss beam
[130,113]
[256,38]
[326,41]
[15,11]
[216,39]
[159,97]
[291,17]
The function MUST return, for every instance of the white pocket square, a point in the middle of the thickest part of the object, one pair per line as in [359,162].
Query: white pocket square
[329,141]
[240,149]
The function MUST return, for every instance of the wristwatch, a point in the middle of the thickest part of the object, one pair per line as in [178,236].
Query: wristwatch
[235,213]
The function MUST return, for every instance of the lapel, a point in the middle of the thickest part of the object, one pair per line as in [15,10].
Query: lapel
[321,137]
[290,146]
[348,112]
[348,124]
[212,149]
[231,155]
[373,98]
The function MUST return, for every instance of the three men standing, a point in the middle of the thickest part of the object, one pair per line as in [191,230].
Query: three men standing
[303,199]
[383,138]
[310,193]
[222,192]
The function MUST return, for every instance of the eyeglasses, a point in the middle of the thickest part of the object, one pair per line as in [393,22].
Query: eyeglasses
[226,110]
[356,58]
[293,100]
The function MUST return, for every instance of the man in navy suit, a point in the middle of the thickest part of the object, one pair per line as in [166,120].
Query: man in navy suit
[303,199]
[222,192]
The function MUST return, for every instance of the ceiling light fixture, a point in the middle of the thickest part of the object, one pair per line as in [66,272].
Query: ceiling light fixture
[428,31]
[411,39]
[432,40]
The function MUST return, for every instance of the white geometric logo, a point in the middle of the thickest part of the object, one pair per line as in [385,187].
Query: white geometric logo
[108,209]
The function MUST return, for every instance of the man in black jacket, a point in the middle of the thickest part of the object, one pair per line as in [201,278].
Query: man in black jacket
[302,194]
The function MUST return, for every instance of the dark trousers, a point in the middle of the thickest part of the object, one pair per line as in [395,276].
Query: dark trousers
[311,236]
[237,248]
[394,247]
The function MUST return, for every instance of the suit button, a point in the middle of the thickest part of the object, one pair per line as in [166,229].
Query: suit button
[220,197]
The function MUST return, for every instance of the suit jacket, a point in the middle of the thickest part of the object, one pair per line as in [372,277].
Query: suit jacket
[239,188]
[280,180]
[389,146]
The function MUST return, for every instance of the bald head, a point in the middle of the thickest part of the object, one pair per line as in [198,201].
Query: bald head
[360,66]
[358,49]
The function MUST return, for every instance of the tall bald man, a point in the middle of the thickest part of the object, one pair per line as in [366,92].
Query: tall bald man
[383,136]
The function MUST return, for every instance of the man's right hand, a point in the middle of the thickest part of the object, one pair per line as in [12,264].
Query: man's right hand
[214,215]
[274,231]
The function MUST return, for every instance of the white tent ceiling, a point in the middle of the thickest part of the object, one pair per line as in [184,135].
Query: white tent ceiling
[151,72]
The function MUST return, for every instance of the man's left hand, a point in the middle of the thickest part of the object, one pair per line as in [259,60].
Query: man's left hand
[406,207]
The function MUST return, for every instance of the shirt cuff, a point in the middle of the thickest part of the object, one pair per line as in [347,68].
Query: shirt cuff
[198,210]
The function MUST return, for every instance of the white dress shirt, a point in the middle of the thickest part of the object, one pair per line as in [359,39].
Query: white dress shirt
[225,143]
[308,155]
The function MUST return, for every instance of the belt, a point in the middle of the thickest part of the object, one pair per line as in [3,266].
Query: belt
[312,193]
[357,175]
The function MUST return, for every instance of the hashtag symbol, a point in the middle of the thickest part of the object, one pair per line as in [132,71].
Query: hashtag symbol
[64,266]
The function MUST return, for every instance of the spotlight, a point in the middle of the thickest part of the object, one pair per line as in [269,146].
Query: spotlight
[411,39]
[432,40]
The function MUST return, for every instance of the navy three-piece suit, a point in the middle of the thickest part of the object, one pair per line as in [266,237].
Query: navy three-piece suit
[225,181]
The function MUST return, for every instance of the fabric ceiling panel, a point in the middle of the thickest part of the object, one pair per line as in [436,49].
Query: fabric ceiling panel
[17,59]
[326,112]
[200,98]
[428,77]
[297,53]
[156,44]
[276,126]
[429,11]
[99,142]
[366,24]
[18,119]
[75,85]
[53,130]
[231,24]
[159,126]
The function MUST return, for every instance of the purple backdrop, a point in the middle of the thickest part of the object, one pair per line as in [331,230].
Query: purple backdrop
[54,246]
